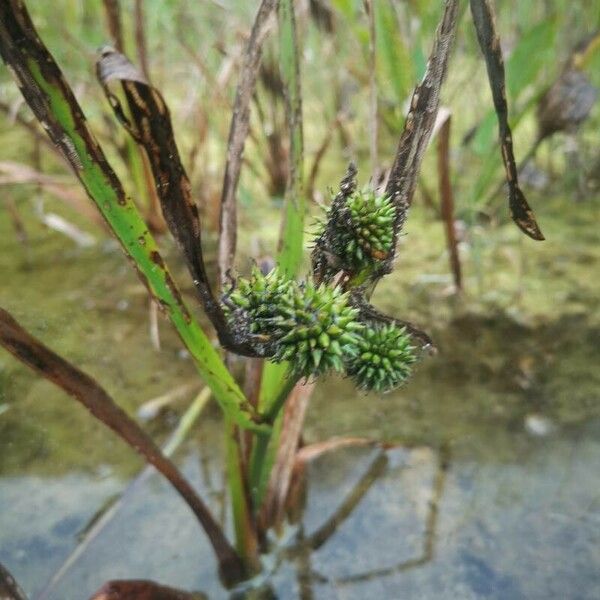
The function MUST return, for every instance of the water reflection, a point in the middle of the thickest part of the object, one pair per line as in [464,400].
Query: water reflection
[409,522]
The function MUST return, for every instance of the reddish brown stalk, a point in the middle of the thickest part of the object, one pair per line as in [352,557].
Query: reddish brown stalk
[447,200]
[88,392]
[140,38]
[238,132]
[112,13]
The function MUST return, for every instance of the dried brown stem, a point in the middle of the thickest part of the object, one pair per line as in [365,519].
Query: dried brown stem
[420,121]
[447,200]
[112,14]
[272,511]
[140,38]
[238,132]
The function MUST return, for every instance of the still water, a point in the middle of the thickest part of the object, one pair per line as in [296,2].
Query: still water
[491,488]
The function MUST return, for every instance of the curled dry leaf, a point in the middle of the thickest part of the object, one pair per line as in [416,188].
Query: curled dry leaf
[489,42]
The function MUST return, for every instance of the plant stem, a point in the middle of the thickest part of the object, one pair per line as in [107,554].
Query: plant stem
[259,462]
[243,520]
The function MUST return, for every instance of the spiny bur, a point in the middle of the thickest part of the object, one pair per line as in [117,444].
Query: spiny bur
[313,327]
[361,229]
[384,359]
[266,300]
[323,332]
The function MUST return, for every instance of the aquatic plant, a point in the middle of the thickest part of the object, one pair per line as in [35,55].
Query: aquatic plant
[303,329]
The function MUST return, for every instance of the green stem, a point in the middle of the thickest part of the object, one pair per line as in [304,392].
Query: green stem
[243,521]
[264,448]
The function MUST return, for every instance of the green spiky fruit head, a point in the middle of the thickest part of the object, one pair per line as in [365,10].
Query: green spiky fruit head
[384,360]
[323,332]
[373,220]
[363,237]
[266,300]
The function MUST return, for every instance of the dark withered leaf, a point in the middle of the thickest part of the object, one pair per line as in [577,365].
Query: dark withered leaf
[142,590]
[421,118]
[9,588]
[489,42]
[149,123]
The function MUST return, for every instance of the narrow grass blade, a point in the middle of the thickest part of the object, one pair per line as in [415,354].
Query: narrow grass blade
[243,519]
[55,106]
[394,65]
[292,238]
[291,247]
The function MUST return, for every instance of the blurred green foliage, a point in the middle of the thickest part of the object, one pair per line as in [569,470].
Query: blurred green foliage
[194,49]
